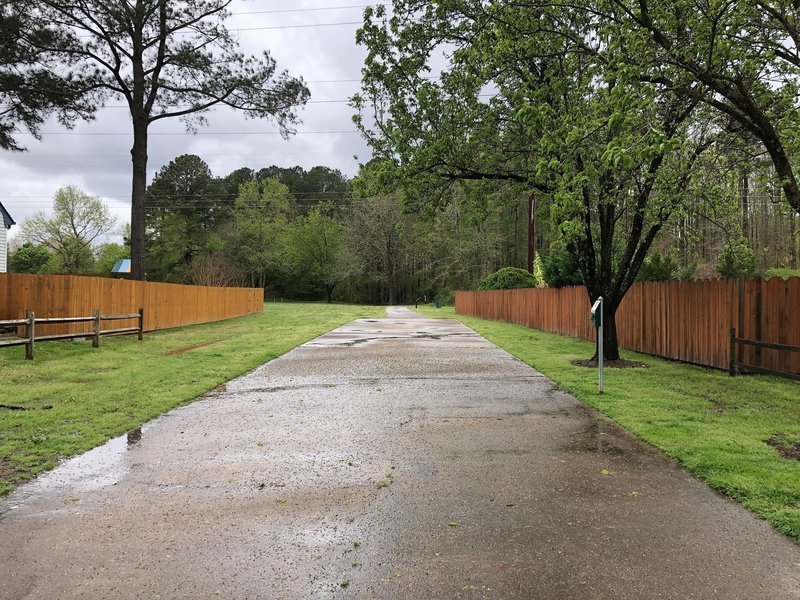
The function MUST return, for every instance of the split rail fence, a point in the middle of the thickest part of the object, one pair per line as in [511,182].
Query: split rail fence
[31,321]
[165,305]
[690,321]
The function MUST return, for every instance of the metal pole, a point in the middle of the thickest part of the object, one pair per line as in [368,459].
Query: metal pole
[600,345]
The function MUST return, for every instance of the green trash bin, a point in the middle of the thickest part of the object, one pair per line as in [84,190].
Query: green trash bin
[438,303]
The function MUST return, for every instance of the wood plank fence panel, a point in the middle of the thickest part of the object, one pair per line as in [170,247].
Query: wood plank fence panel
[682,320]
[165,305]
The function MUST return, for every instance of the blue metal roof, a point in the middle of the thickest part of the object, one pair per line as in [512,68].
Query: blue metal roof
[123,265]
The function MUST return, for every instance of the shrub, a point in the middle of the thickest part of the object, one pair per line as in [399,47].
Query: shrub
[560,269]
[29,259]
[538,271]
[737,260]
[659,267]
[782,272]
[509,278]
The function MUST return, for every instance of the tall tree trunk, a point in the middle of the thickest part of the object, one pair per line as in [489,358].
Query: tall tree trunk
[516,237]
[744,196]
[329,291]
[610,341]
[531,232]
[781,162]
[138,191]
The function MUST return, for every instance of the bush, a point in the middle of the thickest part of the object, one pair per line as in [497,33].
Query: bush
[659,267]
[509,278]
[29,259]
[538,270]
[560,269]
[782,272]
[737,260]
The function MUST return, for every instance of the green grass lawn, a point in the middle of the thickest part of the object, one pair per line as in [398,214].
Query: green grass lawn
[713,424]
[99,394]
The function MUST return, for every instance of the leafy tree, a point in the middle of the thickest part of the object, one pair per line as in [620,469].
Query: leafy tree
[78,221]
[261,216]
[569,118]
[377,243]
[185,210]
[107,255]
[659,267]
[560,269]
[509,278]
[231,183]
[309,188]
[168,60]
[740,57]
[32,83]
[737,260]
[29,259]
[313,245]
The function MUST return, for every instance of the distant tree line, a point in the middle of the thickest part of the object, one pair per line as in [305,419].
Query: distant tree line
[315,235]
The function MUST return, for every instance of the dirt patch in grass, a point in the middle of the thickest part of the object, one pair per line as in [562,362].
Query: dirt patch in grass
[7,469]
[611,364]
[786,448]
[188,348]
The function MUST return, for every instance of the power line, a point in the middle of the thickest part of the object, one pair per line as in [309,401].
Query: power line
[317,9]
[265,28]
[300,26]
[345,101]
[163,133]
[152,157]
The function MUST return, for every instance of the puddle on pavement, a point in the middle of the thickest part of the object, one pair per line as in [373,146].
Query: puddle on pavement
[92,470]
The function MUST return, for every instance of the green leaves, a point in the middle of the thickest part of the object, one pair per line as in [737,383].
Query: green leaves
[78,220]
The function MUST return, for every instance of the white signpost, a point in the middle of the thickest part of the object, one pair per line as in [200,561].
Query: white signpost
[597,318]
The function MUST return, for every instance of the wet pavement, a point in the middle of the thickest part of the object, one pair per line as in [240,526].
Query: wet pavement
[392,458]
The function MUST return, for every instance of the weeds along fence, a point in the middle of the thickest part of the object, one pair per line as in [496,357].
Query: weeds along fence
[165,305]
[689,321]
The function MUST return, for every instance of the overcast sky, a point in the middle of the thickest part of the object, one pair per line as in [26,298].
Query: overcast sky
[326,56]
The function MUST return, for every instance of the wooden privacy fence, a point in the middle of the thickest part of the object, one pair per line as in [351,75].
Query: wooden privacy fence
[165,305]
[689,321]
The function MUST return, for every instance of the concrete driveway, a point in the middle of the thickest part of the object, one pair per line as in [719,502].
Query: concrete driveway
[392,458]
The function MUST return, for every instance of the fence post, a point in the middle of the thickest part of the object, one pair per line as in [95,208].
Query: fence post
[732,357]
[141,324]
[96,328]
[30,333]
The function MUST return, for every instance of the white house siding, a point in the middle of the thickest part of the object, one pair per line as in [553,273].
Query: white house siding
[3,246]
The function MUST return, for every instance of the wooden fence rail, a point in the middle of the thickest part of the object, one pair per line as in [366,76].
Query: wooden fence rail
[165,305]
[682,320]
[30,321]
[737,365]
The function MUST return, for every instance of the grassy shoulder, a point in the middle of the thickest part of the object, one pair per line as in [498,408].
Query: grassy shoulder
[714,425]
[77,397]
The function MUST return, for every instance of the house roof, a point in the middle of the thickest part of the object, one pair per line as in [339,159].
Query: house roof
[7,220]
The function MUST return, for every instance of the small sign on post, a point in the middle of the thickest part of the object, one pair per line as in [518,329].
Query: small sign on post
[597,318]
